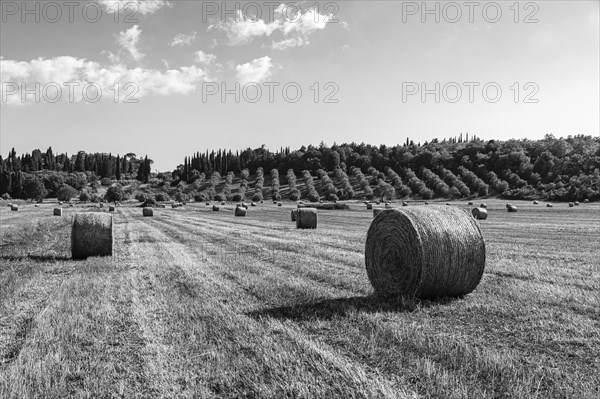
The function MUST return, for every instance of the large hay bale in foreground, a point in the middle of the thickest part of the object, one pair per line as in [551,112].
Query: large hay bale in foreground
[215,208]
[14,208]
[424,252]
[294,214]
[240,211]
[511,208]
[58,211]
[148,212]
[91,235]
[306,218]
[479,213]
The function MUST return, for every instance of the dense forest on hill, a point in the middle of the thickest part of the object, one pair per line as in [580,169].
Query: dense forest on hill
[551,168]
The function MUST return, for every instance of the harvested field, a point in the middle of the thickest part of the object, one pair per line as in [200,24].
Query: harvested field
[196,303]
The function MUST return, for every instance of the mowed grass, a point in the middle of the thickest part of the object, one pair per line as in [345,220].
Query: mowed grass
[196,303]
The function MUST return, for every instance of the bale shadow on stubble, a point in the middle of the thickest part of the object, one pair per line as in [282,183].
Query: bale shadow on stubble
[330,308]
[36,258]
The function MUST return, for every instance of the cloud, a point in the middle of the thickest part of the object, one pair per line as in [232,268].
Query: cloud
[287,43]
[204,58]
[134,6]
[255,71]
[62,70]
[242,29]
[183,40]
[129,39]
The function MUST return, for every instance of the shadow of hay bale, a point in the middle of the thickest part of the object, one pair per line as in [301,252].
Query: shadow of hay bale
[330,308]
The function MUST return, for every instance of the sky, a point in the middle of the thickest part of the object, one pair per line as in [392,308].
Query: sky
[169,78]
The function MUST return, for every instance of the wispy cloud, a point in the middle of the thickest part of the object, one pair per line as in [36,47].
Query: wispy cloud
[129,39]
[204,58]
[255,71]
[295,29]
[183,39]
[134,6]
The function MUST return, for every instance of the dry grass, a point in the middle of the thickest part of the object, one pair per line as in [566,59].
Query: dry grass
[180,311]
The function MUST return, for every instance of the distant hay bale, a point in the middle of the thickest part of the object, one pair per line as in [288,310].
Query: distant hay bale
[470,203]
[253,204]
[174,205]
[91,235]
[369,206]
[58,211]
[111,208]
[424,252]
[240,211]
[549,205]
[101,205]
[279,204]
[576,203]
[483,206]
[405,203]
[294,214]
[71,206]
[14,208]
[511,208]
[447,203]
[585,201]
[9,205]
[245,205]
[426,202]
[207,203]
[306,218]
[479,213]
[377,211]
[535,202]
[215,208]
[508,206]
[147,212]
[36,205]
[571,205]
[222,202]
[60,203]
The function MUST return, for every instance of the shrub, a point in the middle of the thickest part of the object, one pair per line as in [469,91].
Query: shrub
[237,197]
[201,197]
[162,197]
[66,193]
[115,193]
[257,197]
[295,196]
[220,197]
[105,182]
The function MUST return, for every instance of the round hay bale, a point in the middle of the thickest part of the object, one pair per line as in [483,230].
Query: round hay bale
[37,206]
[585,201]
[279,204]
[9,205]
[101,205]
[549,205]
[245,205]
[447,203]
[91,235]
[483,206]
[511,208]
[424,252]
[479,213]
[571,205]
[60,203]
[377,211]
[253,204]
[215,208]
[174,205]
[223,203]
[426,202]
[58,211]
[470,203]
[14,208]
[405,203]
[294,214]
[111,208]
[71,206]
[207,203]
[240,211]
[306,218]
[508,206]
[535,202]
[576,203]
[147,212]
[369,206]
